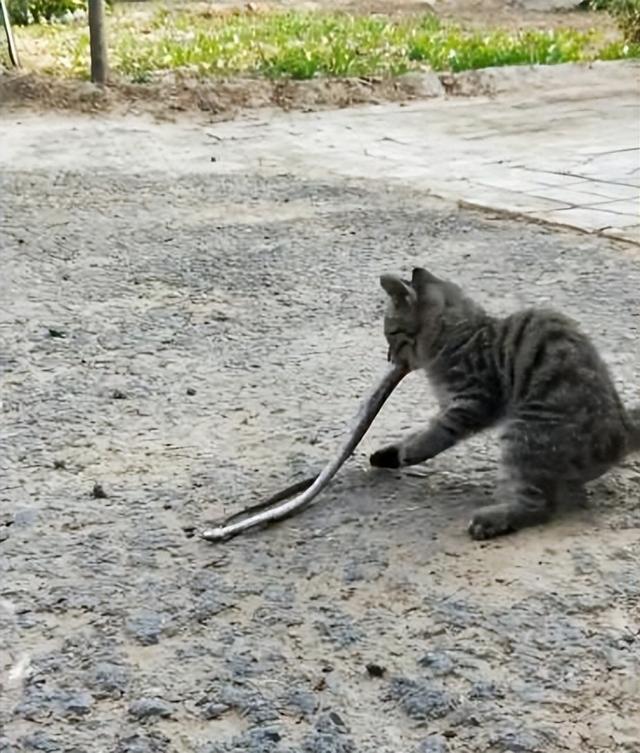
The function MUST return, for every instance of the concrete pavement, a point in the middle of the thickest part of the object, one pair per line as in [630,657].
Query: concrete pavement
[559,144]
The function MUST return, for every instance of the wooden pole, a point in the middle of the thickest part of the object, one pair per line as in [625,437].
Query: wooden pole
[98,43]
[11,42]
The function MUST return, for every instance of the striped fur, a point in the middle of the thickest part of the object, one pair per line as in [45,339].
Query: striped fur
[534,373]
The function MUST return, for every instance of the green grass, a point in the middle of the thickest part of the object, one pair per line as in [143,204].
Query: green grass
[304,45]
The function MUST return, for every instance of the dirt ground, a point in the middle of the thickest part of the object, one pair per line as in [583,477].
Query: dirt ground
[172,94]
[513,14]
[190,340]
[177,94]
[475,13]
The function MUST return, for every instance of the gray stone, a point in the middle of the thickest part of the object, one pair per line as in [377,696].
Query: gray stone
[146,627]
[484,690]
[522,741]
[214,710]
[420,700]
[433,744]
[38,741]
[42,702]
[109,680]
[143,708]
[438,662]
[264,739]
[240,695]
[77,704]
[338,627]
[139,742]
[301,701]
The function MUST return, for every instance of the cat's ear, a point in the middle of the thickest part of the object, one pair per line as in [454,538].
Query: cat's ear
[421,277]
[428,289]
[398,290]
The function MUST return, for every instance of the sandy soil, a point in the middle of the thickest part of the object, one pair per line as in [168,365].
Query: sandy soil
[190,340]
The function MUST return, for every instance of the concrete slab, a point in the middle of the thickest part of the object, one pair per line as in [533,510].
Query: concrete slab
[592,219]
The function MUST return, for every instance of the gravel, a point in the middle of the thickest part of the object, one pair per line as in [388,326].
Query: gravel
[243,337]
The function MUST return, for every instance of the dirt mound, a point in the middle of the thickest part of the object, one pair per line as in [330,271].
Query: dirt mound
[221,98]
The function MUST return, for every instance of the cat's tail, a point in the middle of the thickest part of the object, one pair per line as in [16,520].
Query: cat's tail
[634,428]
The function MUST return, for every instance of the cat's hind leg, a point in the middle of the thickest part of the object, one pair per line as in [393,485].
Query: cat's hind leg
[524,501]
[543,464]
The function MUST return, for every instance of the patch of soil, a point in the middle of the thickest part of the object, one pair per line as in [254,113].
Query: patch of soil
[221,99]
[475,13]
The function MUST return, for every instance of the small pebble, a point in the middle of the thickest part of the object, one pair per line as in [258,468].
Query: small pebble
[433,744]
[144,708]
[98,491]
[77,704]
[214,710]
[375,670]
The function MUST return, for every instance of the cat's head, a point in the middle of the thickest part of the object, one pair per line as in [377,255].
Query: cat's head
[419,312]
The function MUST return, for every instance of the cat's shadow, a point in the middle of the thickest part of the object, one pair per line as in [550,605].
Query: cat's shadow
[423,501]
[431,499]
[421,497]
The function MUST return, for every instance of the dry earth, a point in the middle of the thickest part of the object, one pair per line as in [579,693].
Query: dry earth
[190,340]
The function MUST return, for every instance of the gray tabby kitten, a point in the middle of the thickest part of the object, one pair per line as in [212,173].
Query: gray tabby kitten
[533,372]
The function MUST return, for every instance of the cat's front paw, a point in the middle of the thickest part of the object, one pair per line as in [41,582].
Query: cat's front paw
[490,522]
[387,457]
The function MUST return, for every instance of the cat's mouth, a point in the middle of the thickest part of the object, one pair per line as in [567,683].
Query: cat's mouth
[401,348]
[401,356]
